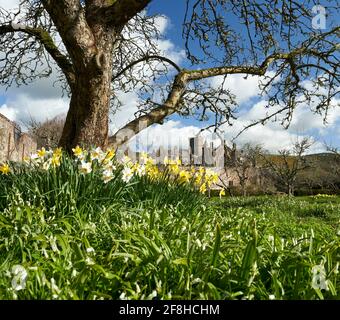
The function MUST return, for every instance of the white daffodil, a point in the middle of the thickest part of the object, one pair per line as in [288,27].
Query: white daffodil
[19,277]
[127,174]
[141,170]
[97,154]
[109,166]
[85,167]
[107,176]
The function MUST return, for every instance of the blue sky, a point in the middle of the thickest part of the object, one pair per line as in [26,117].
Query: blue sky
[41,100]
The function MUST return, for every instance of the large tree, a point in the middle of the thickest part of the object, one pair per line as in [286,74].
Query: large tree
[102,46]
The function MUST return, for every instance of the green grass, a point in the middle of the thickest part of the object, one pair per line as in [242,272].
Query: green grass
[79,238]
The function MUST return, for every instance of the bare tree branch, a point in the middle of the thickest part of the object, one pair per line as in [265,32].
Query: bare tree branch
[46,40]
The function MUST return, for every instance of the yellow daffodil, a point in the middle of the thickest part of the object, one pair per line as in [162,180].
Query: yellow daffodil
[201,170]
[203,188]
[109,155]
[222,193]
[77,151]
[184,176]
[58,152]
[55,161]
[5,169]
[198,179]
[152,172]
[41,153]
[174,168]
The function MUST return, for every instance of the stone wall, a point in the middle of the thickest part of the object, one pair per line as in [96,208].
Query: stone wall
[14,145]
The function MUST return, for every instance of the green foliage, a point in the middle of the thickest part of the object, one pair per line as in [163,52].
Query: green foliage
[78,238]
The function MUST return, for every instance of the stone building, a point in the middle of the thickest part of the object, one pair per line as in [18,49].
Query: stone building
[14,144]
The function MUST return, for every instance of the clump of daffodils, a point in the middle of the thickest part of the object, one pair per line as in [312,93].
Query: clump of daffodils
[45,159]
[97,161]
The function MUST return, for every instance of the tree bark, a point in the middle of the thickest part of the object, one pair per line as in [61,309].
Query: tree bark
[290,190]
[87,118]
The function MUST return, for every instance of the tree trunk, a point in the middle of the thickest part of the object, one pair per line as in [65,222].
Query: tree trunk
[290,190]
[87,120]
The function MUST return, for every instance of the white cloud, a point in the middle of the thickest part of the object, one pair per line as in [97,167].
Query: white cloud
[244,88]
[9,4]
[170,134]
[23,108]
[9,112]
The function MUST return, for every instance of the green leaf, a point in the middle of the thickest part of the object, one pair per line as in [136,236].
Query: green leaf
[217,245]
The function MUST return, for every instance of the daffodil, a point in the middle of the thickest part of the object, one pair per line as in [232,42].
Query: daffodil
[203,188]
[58,152]
[55,161]
[97,154]
[184,176]
[173,166]
[198,179]
[77,151]
[5,169]
[110,153]
[222,193]
[109,166]
[152,172]
[139,169]
[127,174]
[85,167]
[107,176]
[41,153]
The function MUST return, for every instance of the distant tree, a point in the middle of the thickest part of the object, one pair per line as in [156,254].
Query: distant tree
[48,132]
[243,162]
[101,47]
[286,166]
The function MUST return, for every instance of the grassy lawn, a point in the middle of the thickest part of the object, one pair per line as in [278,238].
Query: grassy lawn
[67,235]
